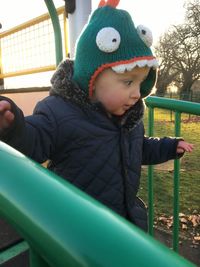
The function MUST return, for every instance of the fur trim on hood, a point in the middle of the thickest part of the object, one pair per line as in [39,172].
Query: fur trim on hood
[64,86]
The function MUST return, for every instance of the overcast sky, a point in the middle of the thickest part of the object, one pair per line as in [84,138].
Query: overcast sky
[157,15]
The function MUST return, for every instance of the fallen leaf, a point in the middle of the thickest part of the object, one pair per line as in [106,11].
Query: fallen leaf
[195,220]
[183,220]
[184,226]
[197,238]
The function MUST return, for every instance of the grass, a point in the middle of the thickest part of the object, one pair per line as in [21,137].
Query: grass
[190,167]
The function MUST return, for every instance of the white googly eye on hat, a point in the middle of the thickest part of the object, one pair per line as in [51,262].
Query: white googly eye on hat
[145,34]
[108,39]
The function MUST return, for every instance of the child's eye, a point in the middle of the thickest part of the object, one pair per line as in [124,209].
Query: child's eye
[128,83]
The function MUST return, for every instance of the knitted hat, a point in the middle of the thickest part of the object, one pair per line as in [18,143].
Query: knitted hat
[110,40]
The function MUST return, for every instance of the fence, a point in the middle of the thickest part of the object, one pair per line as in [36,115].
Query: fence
[29,48]
[193,96]
[177,107]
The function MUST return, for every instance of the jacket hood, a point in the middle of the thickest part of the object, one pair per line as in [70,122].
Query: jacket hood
[64,86]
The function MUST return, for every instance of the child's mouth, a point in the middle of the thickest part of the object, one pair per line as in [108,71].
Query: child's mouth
[126,107]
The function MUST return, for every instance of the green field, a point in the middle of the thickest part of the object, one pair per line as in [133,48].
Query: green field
[190,167]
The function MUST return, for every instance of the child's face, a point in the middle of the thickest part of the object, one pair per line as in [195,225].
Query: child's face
[118,92]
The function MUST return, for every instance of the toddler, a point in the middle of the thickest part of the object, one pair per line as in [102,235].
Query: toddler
[90,126]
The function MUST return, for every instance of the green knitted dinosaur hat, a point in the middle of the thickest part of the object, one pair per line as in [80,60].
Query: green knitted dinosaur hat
[110,40]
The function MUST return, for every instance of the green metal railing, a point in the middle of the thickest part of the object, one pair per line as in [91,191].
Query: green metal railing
[63,226]
[178,107]
[57,30]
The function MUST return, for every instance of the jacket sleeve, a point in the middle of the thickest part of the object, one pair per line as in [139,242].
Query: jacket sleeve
[33,135]
[159,150]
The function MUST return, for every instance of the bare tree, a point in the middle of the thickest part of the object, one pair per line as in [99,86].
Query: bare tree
[193,16]
[179,52]
[167,71]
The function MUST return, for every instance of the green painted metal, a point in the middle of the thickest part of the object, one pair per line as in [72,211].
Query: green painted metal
[66,227]
[178,107]
[150,176]
[173,104]
[57,30]
[36,260]
[13,251]
[176,187]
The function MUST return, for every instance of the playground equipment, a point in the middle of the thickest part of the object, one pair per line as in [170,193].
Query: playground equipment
[65,227]
[177,107]
[19,57]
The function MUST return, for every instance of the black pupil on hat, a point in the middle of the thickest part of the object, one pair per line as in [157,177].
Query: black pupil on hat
[114,40]
[143,32]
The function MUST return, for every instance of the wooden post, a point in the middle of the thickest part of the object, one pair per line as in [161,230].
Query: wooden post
[1,80]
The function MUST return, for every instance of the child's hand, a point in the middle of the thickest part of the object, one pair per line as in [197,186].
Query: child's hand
[6,115]
[184,147]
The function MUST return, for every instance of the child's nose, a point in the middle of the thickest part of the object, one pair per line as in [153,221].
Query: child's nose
[135,94]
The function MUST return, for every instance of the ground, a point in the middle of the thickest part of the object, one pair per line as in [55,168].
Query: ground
[187,249]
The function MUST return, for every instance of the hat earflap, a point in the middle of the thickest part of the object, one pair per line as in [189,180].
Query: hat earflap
[148,84]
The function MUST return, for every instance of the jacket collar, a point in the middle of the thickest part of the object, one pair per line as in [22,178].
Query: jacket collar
[65,87]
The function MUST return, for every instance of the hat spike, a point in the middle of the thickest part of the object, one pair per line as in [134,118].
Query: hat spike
[102,3]
[112,3]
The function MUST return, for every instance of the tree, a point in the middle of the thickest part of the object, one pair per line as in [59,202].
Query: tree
[179,52]
[193,16]
[167,71]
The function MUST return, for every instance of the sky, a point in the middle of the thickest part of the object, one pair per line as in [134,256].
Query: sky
[157,15]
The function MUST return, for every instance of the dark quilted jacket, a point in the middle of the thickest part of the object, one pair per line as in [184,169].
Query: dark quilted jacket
[101,155]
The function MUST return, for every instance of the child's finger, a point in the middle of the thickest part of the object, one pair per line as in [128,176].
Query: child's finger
[4,105]
[180,150]
[9,116]
[6,119]
[189,148]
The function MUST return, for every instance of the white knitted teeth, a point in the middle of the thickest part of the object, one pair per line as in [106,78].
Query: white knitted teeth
[140,63]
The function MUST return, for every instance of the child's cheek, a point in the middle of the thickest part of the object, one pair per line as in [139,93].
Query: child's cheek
[112,99]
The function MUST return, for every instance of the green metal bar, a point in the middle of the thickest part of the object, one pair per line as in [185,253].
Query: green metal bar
[179,107]
[13,251]
[57,30]
[150,175]
[36,260]
[176,187]
[68,227]
[173,104]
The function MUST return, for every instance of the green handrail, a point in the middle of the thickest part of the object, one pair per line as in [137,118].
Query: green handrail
[178,107]
[13,251]
[66,227]
[173,104]
[57,30]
